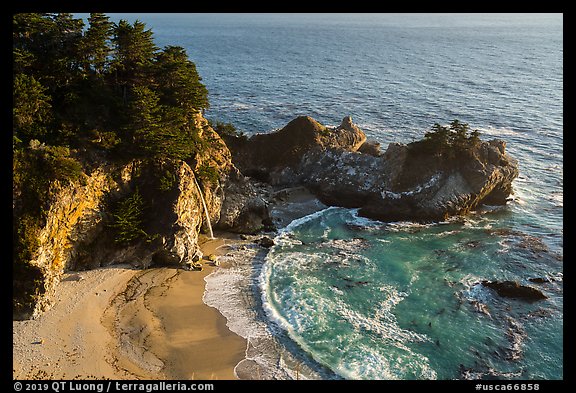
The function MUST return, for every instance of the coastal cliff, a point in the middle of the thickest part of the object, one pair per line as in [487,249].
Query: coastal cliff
[85,226]
[81,230]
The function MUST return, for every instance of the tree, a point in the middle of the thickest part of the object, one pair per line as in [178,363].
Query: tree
[474,138]
[96,48]
[450,141]
[142,114]
[133,52]
[27,29]
[128,219]
[31,109]
[458,133]
[178,81]
[438,137]
[54,42]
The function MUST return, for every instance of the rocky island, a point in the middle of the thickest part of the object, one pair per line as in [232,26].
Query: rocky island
[431,179]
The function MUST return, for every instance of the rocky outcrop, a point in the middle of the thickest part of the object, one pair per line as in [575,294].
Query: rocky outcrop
[281,152]
[244,210]
[406,182]
[74,211]
[512,289]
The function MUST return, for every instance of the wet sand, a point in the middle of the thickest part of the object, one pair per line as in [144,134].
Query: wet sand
[122,323]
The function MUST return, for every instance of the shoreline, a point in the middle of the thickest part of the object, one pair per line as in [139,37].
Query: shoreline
[237,292]
[166,323]
[123,323]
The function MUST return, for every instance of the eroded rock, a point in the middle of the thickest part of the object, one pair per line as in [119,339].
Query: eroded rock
[406,182]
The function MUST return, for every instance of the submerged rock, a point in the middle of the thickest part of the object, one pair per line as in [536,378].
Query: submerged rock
[512,289]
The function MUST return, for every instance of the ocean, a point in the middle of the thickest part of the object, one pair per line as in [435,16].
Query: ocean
[361,299]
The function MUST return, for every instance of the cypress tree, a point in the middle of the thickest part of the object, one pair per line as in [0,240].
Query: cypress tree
[178,81]
[95,43]
[31,109]
[133,51]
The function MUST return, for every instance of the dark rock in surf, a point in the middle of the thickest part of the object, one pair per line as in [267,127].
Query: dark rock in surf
[512,289]
[539,280]
[265,241]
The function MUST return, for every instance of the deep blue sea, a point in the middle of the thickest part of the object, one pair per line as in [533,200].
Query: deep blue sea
[373,300]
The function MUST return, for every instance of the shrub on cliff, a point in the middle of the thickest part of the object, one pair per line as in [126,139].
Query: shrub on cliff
[128,217]
[226,129]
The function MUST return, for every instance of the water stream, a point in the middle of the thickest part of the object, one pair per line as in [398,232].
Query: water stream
[205,208]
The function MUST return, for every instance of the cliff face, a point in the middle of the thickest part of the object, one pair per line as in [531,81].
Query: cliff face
[74,211]
[265,156]
[403,183]
[78,232]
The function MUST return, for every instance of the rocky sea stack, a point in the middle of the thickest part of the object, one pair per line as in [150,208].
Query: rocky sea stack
[431,179]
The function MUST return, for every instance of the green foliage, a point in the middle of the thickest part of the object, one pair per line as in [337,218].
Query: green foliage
[26,241]
[226,129]
[127,223]
[37,166]
[167,181]
[451,140]
[207,173]
[110,77]
[134,50]
[31,108]
[178,81]
[95,44]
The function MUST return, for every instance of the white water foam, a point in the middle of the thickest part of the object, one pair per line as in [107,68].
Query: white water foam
[302,220]
[233,292]
[369,363]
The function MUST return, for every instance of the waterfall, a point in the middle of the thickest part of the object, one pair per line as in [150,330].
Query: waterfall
[205,208]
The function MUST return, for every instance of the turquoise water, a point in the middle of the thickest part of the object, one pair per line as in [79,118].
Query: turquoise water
[396,301]
[371,300]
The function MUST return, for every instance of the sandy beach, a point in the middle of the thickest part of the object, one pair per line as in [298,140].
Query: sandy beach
[123,323]
[165,323]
